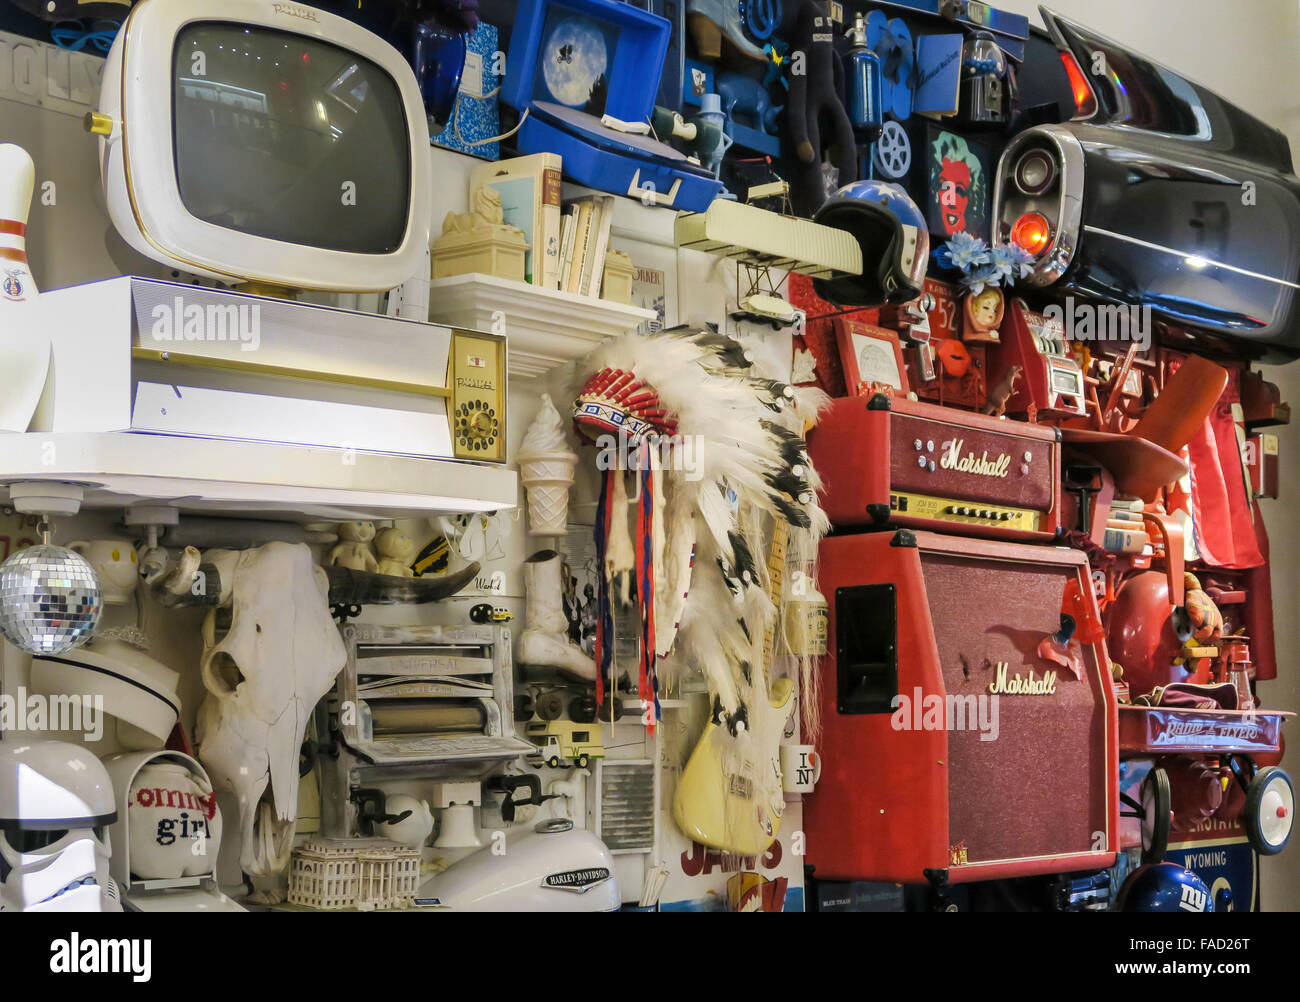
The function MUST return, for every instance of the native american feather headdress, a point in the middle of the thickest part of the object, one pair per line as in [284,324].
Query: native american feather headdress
[715,455]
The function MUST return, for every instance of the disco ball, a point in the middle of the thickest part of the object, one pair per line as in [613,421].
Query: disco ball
[49,599]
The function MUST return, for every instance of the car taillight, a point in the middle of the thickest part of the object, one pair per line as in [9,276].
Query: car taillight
[1034,172]
[1085,101]
[1032,233]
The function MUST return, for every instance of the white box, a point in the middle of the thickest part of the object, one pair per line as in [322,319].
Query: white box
[146,356]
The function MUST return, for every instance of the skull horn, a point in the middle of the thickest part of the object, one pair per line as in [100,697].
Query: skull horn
[194,583]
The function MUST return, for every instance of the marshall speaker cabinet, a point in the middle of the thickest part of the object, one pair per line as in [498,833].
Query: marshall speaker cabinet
[952,750]
[902,463]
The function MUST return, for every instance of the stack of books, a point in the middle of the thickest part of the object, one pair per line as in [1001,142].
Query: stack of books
[584,242]
[567,243]
[530,199]
[1125,532]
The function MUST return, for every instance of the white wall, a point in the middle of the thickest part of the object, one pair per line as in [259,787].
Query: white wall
[1248,53]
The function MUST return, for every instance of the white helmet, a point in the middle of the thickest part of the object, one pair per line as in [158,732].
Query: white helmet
[56,803]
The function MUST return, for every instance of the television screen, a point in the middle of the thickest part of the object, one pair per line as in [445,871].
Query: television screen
[289,138]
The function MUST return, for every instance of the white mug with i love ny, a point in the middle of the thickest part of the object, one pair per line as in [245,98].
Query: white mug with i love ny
[801,767]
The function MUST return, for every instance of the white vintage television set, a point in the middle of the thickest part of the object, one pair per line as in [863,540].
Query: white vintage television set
[265,141]
[271,143]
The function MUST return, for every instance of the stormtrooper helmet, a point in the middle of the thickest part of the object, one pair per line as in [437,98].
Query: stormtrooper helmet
[56,803]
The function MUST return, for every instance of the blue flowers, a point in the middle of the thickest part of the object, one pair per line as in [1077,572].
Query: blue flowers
[963,252]
[1012,262]
[982,266]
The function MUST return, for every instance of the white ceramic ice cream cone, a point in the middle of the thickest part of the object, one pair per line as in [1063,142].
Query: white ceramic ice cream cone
[547,479]
[546,470]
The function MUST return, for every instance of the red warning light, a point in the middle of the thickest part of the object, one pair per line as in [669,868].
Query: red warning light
[1032,232]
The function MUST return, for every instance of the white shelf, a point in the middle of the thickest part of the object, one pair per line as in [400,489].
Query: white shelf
[545,328]
[759,238]
[296,483]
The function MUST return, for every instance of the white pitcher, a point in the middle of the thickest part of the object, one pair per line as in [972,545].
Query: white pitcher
[24,340]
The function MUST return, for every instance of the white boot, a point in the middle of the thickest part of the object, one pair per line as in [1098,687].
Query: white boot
[545,642]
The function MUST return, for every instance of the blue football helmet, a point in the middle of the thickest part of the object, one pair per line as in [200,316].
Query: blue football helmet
[1164,887]
[894,238]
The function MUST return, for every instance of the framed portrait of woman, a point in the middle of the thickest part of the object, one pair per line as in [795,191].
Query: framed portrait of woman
[958,183]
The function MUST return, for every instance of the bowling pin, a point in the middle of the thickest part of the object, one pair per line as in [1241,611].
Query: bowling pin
[24,339]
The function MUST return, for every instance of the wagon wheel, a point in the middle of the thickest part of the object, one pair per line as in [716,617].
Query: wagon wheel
[1270,810]
[582,709]
[1156,810]
[550,705]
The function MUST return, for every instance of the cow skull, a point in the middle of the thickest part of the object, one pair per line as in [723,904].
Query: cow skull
[263,679]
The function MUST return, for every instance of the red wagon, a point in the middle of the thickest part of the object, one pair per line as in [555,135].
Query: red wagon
[1196,752]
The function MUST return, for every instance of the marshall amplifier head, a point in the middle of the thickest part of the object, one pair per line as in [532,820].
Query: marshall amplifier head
[952,748]
[905,463]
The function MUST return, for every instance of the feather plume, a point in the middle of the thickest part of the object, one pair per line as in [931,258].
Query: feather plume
[738,460]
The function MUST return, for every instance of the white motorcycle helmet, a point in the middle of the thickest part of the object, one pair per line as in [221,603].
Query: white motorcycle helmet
[56,803]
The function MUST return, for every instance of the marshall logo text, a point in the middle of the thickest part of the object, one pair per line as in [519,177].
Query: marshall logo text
[980,466]
[1017,686]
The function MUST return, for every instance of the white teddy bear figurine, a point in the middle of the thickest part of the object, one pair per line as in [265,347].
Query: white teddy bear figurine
[396,550]
[353,549]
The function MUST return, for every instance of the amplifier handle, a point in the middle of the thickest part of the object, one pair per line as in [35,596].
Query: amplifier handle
[1170,531]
